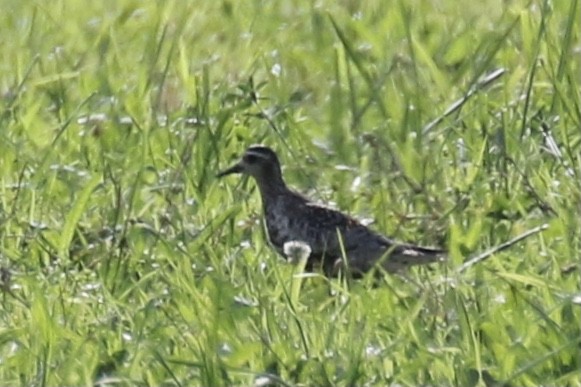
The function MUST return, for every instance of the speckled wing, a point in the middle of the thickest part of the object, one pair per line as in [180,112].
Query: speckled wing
[325,226]
[363,246]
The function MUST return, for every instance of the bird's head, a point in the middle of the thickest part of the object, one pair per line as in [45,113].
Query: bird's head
[259,162]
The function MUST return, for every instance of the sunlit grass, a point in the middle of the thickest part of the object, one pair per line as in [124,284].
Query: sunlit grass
[124,261]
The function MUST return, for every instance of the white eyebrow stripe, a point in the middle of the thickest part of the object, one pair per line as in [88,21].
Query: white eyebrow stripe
[257,153]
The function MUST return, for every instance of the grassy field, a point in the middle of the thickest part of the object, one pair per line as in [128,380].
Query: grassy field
[125,262]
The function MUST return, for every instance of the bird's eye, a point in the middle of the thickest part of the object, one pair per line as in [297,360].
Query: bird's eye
[250,159]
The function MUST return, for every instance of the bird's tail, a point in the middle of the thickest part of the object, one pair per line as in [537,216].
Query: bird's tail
[403,256]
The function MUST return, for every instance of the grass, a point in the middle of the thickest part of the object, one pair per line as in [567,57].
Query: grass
[125,262]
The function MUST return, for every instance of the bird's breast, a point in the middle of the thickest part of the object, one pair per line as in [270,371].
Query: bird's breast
[295,222]
[278,225]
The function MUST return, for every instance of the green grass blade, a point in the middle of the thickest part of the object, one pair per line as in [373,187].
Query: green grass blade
[75,214]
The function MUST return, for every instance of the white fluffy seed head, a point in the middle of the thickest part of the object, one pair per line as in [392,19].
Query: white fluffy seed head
[297,251]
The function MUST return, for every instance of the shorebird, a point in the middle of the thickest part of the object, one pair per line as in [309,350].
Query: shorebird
[336,241]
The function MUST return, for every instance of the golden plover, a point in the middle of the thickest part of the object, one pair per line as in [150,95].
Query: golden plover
[290,217]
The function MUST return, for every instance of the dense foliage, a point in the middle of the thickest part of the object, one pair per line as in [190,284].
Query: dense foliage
[124,261]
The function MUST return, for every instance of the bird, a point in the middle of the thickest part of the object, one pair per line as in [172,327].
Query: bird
[336,241]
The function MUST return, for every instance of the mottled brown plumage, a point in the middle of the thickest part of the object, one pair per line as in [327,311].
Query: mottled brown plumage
[290,216]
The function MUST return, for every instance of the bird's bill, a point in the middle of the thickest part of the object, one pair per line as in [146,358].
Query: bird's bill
[237,168]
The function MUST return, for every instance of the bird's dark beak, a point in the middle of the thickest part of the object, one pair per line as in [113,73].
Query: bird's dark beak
[237,168]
